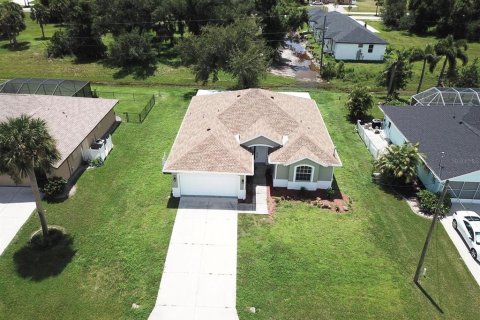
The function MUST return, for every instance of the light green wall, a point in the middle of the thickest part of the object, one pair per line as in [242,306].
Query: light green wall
[320,173]
[282,172]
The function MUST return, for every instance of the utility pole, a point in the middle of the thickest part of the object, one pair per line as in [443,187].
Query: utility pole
[323,40]
[430,232]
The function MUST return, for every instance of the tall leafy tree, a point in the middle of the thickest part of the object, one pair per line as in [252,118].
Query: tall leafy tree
[40,14]
[278,17]
[427,56]
[393,11]
[12,21]
[451,50]
[397,72]
[236,49]
[399,163]
[26,146]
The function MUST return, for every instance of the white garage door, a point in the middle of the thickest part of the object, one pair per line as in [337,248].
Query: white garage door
[221,185]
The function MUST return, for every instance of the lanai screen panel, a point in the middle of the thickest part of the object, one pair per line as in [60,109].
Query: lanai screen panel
[448,96]
[57,87]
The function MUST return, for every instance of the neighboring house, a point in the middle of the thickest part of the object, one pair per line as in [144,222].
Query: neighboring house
[75,123]
[345,38]
[224,135]
[449,138]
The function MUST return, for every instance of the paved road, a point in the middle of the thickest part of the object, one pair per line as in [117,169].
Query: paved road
[199,277]
[16,206]
[472,265]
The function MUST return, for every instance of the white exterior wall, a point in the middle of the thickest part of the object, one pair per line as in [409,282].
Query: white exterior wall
[348,51]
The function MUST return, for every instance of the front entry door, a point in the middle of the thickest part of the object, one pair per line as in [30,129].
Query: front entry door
[261,154]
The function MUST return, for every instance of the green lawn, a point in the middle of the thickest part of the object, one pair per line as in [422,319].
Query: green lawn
[365,6]
[121,224]
[30,60]
[310,263]
[131,99]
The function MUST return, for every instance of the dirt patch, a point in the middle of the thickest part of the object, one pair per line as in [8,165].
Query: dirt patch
[340,202]
[296,63]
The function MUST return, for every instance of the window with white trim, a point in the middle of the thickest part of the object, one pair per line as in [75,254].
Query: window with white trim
[370,48]
[303,173]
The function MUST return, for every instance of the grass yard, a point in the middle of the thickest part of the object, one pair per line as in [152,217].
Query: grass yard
[131,99]
[310,263]
[30,61]
[120,223]
[365,6]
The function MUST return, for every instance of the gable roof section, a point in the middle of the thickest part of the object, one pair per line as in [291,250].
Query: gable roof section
[69,119]
[343,29]
[454,130]
[206,140]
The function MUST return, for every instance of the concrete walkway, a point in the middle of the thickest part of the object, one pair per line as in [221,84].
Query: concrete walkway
[199,277]
[16,206]
[259,203]
[472,265]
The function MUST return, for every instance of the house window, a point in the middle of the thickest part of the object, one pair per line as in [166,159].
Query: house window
[370,48]
[303,173]
[360,45]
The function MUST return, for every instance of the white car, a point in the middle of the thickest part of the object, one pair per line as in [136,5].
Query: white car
[467,223]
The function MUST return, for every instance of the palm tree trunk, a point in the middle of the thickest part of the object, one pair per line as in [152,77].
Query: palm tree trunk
[440,78]
[376,11]
[38,202]
[43,32]
[421,77]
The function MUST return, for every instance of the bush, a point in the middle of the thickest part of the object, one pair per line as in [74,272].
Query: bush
[359,103]
[340,70]
[330,193]
[54,186]
[97,162]
[59,45]
[328,71]
[428,201]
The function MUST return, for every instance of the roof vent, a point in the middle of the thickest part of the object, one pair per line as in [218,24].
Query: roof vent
[272,97]
[460,122]
[208,129]
[238,96]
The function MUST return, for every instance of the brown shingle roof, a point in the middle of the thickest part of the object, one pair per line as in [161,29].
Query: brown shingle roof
[207,138]
[69,119]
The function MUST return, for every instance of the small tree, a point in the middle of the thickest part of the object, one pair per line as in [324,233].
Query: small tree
[26,146]
[399,163]
[359,103]
[248,67]
[40,14]
[469,76]
[12,21]
[429,200]
[328,71]
[397,73]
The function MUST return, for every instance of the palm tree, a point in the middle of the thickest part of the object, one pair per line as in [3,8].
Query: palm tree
[399,163]
[426,55]
[40,14]
[26,145]
[452,50]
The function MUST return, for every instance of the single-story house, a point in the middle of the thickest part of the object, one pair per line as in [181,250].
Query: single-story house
[224,135]
[75,123]
[345,38]
[449,139]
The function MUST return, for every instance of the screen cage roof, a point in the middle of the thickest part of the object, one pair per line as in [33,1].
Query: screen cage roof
[57,87]
[448,96]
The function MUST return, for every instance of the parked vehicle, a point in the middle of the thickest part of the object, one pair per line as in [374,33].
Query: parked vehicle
[467,223]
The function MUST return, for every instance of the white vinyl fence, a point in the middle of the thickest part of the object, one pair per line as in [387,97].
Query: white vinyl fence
[373,141]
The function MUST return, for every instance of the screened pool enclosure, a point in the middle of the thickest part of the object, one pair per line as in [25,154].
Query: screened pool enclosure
[55,87]
[448,96]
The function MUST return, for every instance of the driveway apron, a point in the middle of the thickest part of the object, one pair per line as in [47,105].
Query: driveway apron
[199,276]
[16,206]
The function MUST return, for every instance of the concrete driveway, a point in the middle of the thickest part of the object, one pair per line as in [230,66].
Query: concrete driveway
[16,206]
[199,276]
[472,265]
